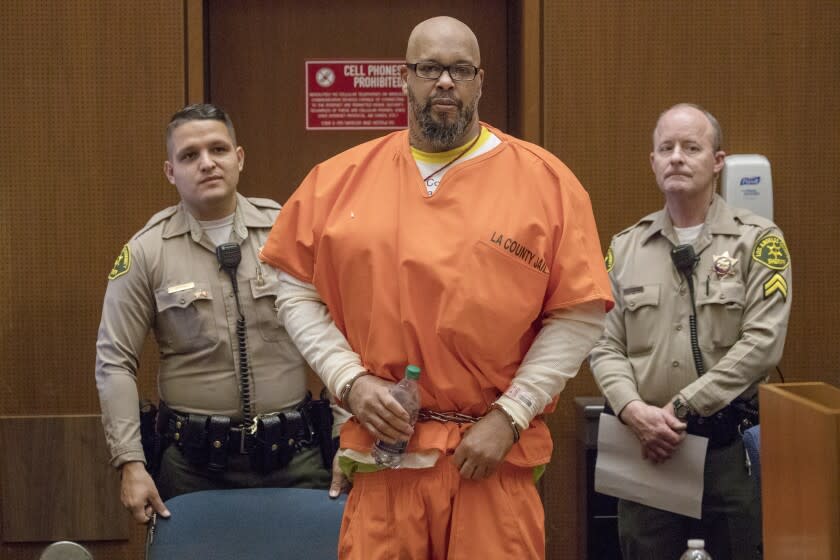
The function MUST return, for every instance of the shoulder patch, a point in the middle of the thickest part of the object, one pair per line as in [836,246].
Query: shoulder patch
[609,260]
[772,252]
[122,264]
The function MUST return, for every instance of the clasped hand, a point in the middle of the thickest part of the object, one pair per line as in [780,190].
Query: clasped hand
[659,431]
[482,448]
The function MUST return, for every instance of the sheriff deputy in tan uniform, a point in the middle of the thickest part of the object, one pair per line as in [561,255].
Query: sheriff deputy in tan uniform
[216,390]
[741,282]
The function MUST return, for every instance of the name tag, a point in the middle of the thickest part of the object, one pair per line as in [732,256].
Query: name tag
[180,288]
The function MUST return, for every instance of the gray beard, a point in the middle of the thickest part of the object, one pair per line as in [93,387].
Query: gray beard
[441,135]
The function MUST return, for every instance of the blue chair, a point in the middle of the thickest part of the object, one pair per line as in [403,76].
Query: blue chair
[254,523]
[752,443]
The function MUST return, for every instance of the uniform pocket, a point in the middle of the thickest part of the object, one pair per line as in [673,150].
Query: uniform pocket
[264,291]
[184,321]
[720,311]
[641,315]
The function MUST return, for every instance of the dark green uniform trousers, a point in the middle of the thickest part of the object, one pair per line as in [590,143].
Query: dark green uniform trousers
[730,523]
[177,476]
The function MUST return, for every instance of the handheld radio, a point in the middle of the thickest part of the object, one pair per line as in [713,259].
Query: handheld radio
[229,256]
[685,260]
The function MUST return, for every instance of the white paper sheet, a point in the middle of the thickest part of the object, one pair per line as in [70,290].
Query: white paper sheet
[675,485]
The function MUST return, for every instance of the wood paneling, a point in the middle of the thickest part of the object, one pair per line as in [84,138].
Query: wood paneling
[257,50]
[85,94]
[769,72]
[194,57]
[525,71]
[56,481]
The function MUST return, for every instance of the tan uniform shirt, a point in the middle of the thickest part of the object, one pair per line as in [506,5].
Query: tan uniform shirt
[167,279]
[743,297]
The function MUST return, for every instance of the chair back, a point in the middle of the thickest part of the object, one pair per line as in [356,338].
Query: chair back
[247,524]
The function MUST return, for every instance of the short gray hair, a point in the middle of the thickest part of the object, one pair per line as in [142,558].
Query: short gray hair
[717,132]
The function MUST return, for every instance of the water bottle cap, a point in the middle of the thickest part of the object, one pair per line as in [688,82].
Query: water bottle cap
[696,543]
[412,372]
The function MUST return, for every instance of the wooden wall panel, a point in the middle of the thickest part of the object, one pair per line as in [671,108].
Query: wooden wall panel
[53,462]
[86,90]
[257,50]
[769,72]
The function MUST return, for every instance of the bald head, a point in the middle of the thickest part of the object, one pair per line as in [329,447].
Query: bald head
[439,38]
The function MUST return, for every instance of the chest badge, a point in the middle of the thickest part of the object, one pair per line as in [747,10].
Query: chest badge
[724,265]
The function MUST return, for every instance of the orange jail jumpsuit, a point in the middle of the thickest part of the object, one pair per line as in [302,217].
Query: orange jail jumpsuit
[457,283]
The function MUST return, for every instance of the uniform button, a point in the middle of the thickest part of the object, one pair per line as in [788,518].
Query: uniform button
[183,301]
[675,363]
[217,444]
[291,442]
[631,304]
[177,436]
[274,447]
[722,296]
[178,424]
[679,327]
[682,291]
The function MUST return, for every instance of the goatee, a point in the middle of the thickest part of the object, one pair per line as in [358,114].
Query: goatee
[445,134]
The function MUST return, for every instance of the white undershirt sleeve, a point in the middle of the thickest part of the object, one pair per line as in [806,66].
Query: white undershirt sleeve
[564,341]
[305,317]
[566,337]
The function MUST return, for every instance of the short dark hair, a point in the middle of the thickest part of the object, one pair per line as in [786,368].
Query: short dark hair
[199,112]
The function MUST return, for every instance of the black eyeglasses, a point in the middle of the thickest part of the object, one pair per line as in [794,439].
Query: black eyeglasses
[433,71]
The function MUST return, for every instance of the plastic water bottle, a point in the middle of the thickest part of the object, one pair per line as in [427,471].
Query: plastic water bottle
[407,393]
[696,551]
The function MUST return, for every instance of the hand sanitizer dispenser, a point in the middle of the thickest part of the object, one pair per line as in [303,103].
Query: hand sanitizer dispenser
[746,183]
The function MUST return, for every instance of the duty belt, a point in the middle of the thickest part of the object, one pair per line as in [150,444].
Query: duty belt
[270,439]
[721,428]
[726,425]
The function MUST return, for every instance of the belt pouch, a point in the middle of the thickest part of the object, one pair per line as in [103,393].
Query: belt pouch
[149,437]
[721,428]
[747,413]
[272,450]
[218,434]
[319,414]
[194,439]
[164,415]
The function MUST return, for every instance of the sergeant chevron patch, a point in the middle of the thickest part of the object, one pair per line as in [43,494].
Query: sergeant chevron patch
[777,283]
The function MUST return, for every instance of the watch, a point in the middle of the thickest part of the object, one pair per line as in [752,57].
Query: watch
[681,409]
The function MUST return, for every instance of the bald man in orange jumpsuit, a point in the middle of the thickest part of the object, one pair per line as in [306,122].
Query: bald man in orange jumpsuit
[472,254]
